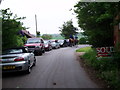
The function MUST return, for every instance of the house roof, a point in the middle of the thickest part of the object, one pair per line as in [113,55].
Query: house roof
[28,35]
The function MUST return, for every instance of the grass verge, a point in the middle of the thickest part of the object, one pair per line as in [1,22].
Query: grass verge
[85,49]
[107,68]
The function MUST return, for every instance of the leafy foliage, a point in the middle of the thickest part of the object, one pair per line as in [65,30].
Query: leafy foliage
[97,20]
[68,29]
[83,40]
[46,36]
[106,68]
[38,34]
[10,28]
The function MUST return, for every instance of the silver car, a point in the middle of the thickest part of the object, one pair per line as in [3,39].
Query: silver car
[17,59]
[55,44]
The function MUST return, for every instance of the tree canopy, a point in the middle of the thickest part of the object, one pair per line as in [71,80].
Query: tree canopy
[46,36]
[38,33]
[68,29]
[97,21]
[11,26]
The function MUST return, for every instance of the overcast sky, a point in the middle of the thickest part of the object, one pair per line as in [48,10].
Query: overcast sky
[51,14]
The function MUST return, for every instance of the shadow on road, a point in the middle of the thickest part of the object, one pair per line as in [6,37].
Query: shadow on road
[13,74]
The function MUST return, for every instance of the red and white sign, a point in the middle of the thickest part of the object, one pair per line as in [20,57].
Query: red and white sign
[104,51]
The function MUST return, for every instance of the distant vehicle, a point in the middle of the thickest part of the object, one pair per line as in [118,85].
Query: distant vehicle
[66,43]
[17,59]
[55,44]
[48,45]
[36,45]
[61,42]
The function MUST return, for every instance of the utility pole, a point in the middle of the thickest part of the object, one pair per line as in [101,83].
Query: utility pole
[0,1]
[36,23]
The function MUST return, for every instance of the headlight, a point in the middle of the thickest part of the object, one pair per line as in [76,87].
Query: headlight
[46,45]
[61,43]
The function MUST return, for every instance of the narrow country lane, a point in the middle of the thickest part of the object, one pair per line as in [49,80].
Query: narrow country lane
[54,69]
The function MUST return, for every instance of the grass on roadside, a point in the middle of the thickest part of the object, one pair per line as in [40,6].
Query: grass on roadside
[85,49]
[107,68]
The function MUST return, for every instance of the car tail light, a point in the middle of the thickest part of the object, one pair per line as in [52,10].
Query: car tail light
[19,59]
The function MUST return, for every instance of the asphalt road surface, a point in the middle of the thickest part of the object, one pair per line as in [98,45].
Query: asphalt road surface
[54,69]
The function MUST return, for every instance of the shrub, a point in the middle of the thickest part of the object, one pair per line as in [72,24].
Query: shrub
[108,68]
[83,40]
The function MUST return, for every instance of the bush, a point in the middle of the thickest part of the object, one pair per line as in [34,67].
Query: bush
[108,68]
[83,40]
[10,29]
[21,40]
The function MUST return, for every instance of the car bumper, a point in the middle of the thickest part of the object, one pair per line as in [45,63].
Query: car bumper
[46,48]
[13,67]
[54,46]
[34,50]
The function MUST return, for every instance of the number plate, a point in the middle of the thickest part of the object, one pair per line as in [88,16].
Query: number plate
[8,67]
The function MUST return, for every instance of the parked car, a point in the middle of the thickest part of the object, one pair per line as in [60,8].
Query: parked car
[61,42]
[36,45]
[48,45]
[66,43]
[17,59]
[55,44]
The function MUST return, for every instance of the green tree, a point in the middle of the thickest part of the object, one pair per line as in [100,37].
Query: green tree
[97,21]
[46,36]
[83,40]
[11,26]
[68,29]
[38,34]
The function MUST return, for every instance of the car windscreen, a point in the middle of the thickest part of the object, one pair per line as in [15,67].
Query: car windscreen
[61,41]
[12,51]
[53,42]
[29,41]
[46,42]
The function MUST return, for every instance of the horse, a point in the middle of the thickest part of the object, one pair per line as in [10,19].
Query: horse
[76,41]
[71,42]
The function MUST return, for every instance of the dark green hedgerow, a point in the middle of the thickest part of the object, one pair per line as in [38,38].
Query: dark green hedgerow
[108,68]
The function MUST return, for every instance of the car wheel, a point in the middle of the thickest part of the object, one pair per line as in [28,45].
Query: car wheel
[48,48]
[40,53]
[43,51]
[55,47]
[36,53]
[51,48]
